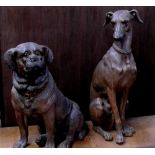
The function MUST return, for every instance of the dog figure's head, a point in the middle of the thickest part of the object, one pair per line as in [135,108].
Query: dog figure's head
[28,58]
[121,21]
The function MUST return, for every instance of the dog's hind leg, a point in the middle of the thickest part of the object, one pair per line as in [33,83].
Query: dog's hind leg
[127,130]
[23,127]
[67,143]
[75,121]
[106,135]
[101,116]
[83,132]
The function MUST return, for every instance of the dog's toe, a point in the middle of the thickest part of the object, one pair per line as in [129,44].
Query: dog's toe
[108,136]
[119,138]
[20,144]
[41,140]
[128,131]
[50,145]
[64,144]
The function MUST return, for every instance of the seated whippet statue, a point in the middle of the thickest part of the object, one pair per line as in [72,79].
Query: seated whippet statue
[113,77]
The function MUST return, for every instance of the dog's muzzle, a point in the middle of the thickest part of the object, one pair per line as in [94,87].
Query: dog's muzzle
[33,59]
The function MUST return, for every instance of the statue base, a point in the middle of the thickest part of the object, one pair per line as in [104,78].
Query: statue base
[144,136]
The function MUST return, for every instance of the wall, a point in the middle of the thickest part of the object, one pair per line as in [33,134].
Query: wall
[78,40]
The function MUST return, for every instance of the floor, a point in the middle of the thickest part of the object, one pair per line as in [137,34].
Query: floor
[144,136]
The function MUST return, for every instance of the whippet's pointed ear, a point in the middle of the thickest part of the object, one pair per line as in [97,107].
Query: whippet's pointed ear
[135,14]
[108,18]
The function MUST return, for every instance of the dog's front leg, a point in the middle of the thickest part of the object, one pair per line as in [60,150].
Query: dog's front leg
[127,130]
[49,119]
[112,98]
[23,127]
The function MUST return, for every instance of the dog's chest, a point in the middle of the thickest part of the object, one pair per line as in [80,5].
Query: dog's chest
[28,105]
[120,69]
[28,102]
[124,70]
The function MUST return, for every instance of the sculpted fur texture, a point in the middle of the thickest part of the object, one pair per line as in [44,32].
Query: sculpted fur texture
[34,92]
[113,77]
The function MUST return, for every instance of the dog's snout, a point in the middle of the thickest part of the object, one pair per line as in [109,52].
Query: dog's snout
[119,31]
[33,59]
[116,35]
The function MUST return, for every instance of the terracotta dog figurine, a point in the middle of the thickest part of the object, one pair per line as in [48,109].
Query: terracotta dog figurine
[113,77]
[34,92]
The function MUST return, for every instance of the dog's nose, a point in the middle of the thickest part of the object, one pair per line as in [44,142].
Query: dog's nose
[33,59]
[117,35]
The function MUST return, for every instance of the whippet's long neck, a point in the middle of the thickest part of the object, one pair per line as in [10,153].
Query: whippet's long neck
[125,43]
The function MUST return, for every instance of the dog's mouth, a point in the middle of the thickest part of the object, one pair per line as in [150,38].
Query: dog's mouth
[32,68]
[32,71]
[118,38]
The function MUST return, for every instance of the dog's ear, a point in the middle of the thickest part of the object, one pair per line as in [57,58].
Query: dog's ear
[108,18]
[135,15]
[10,57]
[48,54]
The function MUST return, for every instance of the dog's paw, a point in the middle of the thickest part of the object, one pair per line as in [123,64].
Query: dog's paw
[41,140]
[82,134]
[50,144]
[65,144]
[107,136]
[119,138]
[20,143]
[128,131]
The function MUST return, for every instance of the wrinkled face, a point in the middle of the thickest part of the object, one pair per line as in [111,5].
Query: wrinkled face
[120,22]
[30,60]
